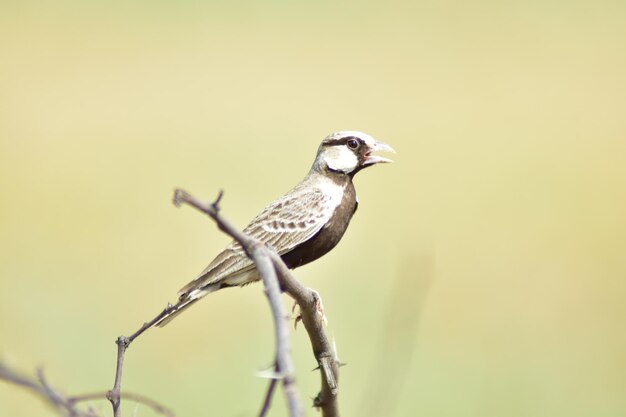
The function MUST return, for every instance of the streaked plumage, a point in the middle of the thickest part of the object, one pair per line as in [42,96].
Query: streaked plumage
[303,224]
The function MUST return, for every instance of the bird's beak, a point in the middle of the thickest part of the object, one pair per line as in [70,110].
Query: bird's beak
[375,159]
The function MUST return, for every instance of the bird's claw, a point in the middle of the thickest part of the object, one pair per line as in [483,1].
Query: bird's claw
[319,307]
[298,316]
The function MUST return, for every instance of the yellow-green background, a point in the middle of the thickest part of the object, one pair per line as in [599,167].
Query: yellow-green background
[483,275]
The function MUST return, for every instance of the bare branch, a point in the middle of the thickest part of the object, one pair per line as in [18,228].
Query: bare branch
[67,405]
[308,300]
[114,395]
[268,398]
[41,388]
[275,275]
[142,399]
[324,351]
[261,255]
[123,342]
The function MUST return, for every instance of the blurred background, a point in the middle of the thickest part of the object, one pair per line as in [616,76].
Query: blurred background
[483,275]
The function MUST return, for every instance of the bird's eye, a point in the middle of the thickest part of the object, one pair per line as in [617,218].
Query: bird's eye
[353,144]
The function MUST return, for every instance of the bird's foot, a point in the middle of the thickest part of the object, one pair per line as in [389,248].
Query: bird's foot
[319,309]
[298,316]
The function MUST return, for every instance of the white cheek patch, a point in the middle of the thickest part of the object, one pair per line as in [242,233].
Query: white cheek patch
[340,158]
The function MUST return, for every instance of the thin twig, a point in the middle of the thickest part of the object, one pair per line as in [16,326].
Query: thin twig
[67,405]
[268,398]
[41,388]
[123,342]
[139,398]
[284,362]
[114,395]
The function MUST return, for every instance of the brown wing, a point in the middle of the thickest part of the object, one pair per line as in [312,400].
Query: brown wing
[283,225]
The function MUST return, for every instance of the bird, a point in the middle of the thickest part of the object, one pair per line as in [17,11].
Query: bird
[302,225]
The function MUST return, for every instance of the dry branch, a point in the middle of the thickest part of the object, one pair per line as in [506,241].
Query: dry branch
[261,255]
[308,300]
[123,342]
[275,276]
[311,312]
[67,405]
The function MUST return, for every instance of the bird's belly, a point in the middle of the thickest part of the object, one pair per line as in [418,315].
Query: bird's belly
[324,240]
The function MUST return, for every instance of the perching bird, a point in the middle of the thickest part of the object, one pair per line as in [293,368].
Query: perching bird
[300,226]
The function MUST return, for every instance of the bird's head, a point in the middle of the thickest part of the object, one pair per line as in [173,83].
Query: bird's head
[348,152]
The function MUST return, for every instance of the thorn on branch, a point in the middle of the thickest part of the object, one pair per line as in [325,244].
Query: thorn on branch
[318,402]
[216,203]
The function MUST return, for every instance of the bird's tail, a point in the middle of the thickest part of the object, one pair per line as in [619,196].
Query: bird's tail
[185,301]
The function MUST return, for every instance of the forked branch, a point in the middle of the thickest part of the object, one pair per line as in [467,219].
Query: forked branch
[68,405]
[275,276]
[310,309]
[261,255]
